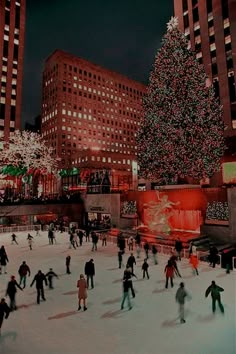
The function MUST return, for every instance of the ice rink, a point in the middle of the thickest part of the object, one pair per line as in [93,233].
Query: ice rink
[151,327]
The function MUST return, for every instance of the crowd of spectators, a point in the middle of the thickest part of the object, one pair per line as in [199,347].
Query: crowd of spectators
[49,199]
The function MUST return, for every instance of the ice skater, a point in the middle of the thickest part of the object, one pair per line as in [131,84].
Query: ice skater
[180,296]
[68,260]
[173,260]
[23,271]
[72,241]
[128,274]
[39,279]
[120,258]
[4,311]
[104,239]
[146,249]
[13,239]
[215,291]
[194,263]
[50,275]
[126,287]
[131,261]
[131,243]
[94,240]
[30,241]
[11,292]
[145,267]
[169,271]
[89,271]
[3,260]
[80,235]
[82,293]
[178,248]
[154,254]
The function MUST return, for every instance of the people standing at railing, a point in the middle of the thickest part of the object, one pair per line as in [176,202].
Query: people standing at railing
[131,261]
[3,260]
[169,271]
[23,271]
[13,239]
[213,256]
[146,248]
[178,248]
[154,254]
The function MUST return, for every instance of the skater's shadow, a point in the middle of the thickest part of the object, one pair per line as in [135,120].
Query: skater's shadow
[117,281]
[73,292]
[112,314]
[10,334]
[113,301]
[47,244]
[161,281]
[159,291]
[188,276]
[63,315]
[112,268]
[170,323]
[222,275]
[204,270]
[207,318]
[25,306]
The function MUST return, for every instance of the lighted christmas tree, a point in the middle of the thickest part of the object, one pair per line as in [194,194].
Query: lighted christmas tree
[181,133]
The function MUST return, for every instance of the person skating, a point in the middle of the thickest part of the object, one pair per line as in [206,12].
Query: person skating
[50,275]
[13,239]
[145,269]
[3,260]
[4,311]
[89,271]
[154,254]
[178,248]
[169,271]
[128,274]
[72,240]
[50,236]
[82,293]
[94,240]
[121,242]
[215,291]
[126,287]
[173,260]
[131,243]
[11,292]
[120,257]
[68,260]
[180,296]
[130,262]
[30,241]
[146,249]
[80,235]
[104,239]
[23,271]
[39,279]
[194,262]
[138,244]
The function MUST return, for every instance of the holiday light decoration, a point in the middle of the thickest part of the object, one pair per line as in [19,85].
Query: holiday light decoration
[181,133]
[129,207]
[25,153]
[217,211]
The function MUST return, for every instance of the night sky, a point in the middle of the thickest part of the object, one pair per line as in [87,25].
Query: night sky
[122,35]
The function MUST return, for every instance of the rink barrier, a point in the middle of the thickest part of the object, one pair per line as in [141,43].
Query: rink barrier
[21,228]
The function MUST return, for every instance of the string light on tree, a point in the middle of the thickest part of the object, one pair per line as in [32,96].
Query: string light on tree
[181,133]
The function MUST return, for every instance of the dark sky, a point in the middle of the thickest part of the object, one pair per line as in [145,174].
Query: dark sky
[121,35]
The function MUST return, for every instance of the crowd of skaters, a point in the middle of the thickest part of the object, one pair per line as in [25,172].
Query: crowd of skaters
[171,270]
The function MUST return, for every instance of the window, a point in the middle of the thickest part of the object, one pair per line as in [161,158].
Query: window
[7,17]
[15,52]
[5,49]
[195,15]
[232,88]
[2,111]
[194,2]
[17,17]
[186,21]
[214,69]
[216,88]
[185,5]
[209,6]
[13,113]
[225,9]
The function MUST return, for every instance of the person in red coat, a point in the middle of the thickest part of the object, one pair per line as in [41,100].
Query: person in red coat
[169,271]
[194,262]
[82,293]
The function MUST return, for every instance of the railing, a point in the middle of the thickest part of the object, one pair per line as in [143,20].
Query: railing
[19,228]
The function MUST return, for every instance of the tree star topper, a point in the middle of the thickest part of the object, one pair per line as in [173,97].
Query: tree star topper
[172,24]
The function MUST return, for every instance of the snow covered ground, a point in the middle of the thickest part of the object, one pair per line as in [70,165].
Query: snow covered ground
[151,327]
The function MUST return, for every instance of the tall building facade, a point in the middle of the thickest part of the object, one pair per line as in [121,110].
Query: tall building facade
[12,29]
[210,26]
[90,116]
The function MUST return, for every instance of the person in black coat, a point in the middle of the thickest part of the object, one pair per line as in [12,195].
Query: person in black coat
[89,271]
[154,254]
[39,279]
[3,260]
[50,275]
[11,292]
[81,235]
[4,311]
[213,257]
[121,243]
[145,268]
[146,248]
[178,248]
[23,271]
[215,291]
[128,274]
[68,259]
[94,240]
[131,261]
[120,254]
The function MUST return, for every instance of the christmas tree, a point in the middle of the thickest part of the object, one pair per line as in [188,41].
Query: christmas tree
[181,133]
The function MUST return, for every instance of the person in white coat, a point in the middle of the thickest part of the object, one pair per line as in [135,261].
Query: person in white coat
[180,296]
